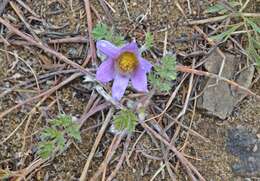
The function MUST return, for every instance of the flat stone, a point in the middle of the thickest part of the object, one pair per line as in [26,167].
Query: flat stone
[220,98]
[242,143]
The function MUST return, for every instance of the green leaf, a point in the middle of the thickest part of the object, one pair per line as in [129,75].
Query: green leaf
[74,132]
[220,8]
[45,149]
[167,69]
[253,25]
[253,53]
[125,120]
[50,133]
[255,43]
[62,120]
[226,34]
[164,74]
[57,135]
[101,31]
[148,40]
[216,8]
[117,40]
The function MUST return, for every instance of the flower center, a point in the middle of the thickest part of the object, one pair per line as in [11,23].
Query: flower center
[127,62]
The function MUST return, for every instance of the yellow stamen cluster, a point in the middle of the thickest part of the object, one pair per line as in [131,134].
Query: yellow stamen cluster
[127,62]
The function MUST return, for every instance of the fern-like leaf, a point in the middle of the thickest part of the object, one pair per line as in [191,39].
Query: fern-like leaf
[125,120]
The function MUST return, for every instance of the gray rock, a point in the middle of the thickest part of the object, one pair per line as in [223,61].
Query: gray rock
[219,98]
[241,143]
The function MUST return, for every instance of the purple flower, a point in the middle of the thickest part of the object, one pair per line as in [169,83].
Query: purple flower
[122,64]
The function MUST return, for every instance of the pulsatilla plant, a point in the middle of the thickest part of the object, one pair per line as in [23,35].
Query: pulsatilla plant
[123,62]
[54,137]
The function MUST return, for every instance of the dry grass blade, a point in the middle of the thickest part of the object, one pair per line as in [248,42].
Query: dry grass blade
[44,47]
[121,160]
[48,92]
[208,74]
[94,147]
[90,38]
[111,150]
[189,167]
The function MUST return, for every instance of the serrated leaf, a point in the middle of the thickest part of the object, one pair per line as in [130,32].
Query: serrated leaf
[101,31]
[74,132]
[45,149]
[62,120]
[125,120]
[226,34]
[117,40]
[164,73]
[167,69]
[49,133]
[148,40]
[60,141]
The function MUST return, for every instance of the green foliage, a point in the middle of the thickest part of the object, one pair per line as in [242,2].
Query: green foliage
[253,47]
[253,51]
[249,25]
[54,137]
[226,34]
[125,120]
[164,74]
[148,40]
[102,32]
[253,24]
[220,8]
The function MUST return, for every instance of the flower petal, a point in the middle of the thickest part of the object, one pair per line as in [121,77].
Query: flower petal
[131,47]
[106,71]
[119,86]
[146,65]
[107,48]
[139,80]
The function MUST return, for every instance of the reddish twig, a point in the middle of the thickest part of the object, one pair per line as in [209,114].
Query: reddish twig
[186,69]
[44,47]
[121,160]
[189,167]
[89,23]
[48,92]
[114,145]
[94,147]
[77,39]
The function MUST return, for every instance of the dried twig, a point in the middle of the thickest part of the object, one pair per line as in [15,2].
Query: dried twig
[184,161]
[211,75]
[221,18]
[44,47]
[94,147]
[114,145]
[48,92]
[90,37]
[122,158]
